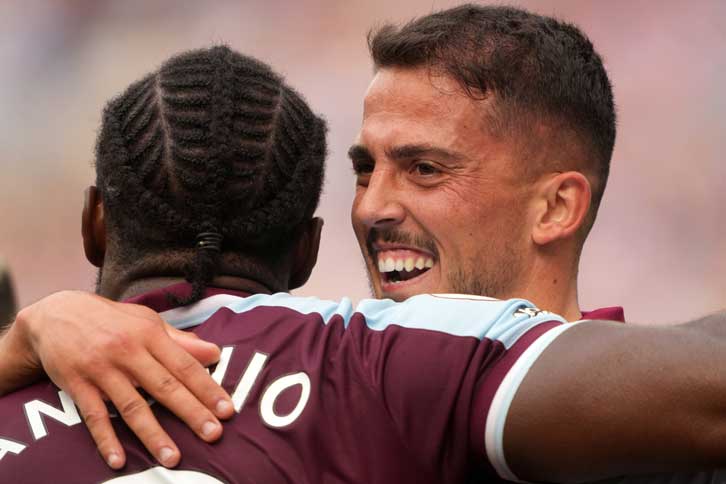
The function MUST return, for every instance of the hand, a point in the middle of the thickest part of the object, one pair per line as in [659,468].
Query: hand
[94,348]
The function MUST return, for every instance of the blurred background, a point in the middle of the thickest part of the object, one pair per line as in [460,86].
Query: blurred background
[658,247]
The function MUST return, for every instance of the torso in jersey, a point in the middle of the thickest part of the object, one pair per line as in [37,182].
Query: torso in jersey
[325,393]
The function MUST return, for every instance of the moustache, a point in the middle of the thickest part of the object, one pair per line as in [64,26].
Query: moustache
[395,236]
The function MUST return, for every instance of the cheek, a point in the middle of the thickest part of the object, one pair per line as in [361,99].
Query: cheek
[503,226]
[449,225]
[470,228]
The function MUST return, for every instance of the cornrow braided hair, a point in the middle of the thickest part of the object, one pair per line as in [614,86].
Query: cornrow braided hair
[213,142]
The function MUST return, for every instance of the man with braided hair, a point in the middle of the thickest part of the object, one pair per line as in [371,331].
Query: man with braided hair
[186,155]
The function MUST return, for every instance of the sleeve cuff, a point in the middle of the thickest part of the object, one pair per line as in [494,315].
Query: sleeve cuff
[499,408]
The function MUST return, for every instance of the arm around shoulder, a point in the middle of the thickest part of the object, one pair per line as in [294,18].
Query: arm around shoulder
[606,399]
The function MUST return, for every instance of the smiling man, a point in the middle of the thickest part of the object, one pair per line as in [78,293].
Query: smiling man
[424,185]
[483,155]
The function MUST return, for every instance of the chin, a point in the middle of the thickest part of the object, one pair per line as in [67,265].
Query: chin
[399,294]
[398,297]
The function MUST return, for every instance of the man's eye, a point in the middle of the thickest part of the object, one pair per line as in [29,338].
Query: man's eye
[424,169]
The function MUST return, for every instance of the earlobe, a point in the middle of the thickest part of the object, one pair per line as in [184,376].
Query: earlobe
[93,227]
[305,254]
[565,200]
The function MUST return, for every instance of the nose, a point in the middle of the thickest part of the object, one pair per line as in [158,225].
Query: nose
[379,205]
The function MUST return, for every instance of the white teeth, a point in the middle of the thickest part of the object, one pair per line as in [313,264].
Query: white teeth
[390,264]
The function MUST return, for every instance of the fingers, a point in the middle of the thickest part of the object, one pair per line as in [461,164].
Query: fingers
[206,353]
[184,356]
[173,384]
[95,414]
[101,347]
[194,391]
[135,411]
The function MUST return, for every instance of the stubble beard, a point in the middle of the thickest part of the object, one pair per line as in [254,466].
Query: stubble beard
[482,277]
[487,276]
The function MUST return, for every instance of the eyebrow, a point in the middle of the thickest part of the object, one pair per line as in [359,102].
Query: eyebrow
[420,150]
[359,153]
[403,152]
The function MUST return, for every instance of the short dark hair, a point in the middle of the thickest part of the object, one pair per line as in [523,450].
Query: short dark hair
[214,141]
[538,69]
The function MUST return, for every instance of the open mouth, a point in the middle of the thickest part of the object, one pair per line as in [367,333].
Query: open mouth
[397,266]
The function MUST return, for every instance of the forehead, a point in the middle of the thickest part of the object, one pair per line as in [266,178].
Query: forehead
[418,105]
[403,84]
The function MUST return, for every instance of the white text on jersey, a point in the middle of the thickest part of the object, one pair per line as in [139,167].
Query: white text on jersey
[36,410]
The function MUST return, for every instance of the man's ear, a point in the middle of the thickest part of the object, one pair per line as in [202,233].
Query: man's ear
[305,252]
[93,227]
[562,207]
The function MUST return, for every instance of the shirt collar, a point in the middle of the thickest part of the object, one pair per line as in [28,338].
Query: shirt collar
[158,299]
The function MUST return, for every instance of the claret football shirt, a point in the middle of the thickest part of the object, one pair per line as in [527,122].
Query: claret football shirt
[324,392]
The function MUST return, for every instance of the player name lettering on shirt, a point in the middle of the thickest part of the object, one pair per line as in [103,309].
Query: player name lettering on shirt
[36,410]
[271,393]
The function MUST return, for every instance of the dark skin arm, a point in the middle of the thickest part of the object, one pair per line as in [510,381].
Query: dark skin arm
[609,399]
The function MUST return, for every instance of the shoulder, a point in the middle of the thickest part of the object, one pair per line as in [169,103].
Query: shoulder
[200,312]
[458,314]
[454,314]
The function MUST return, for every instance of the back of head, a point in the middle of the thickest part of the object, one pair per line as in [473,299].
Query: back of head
[547,84]
[214,144]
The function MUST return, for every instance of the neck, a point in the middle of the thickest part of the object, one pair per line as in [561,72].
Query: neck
[120,281]
[554,295]
[552,287]
[140,286]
